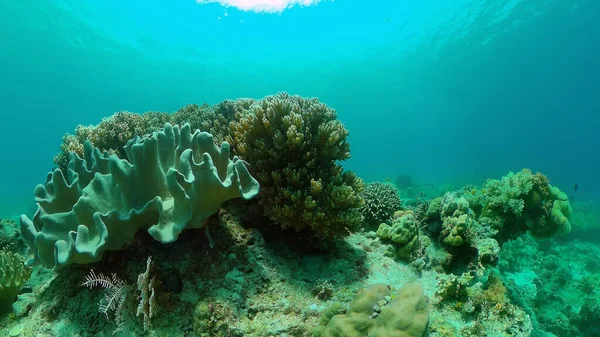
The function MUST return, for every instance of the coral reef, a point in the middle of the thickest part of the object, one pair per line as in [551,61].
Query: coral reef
[474,223]
[113,133]
[526,201]
[293,146]
[172,180]
[252,286]
[483,302]
[556,284]
[474,261]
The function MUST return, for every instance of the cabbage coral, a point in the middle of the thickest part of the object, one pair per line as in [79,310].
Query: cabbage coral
[171,181]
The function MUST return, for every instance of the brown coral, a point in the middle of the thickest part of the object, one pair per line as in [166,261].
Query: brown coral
[110,135]
[293,145]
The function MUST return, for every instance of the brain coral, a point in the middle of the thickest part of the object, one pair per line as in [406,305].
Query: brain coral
[377,312]
[170,181]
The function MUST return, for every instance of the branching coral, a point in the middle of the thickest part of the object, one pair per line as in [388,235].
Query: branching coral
[293,145]
[212,119]
[526,201]
[113,133]
[110,135]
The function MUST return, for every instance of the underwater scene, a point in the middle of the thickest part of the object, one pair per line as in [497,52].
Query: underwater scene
[300,168]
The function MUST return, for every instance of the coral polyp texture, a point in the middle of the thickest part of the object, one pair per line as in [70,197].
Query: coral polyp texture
[171,180]
[111,134]
[294,145]
[381,201]
[376,311]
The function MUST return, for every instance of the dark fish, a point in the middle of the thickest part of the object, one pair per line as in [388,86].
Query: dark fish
[575,189]
[572,198]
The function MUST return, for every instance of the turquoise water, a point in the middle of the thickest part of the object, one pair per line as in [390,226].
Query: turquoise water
[447,91]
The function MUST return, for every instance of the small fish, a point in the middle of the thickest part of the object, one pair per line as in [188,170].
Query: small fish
[575,188]
[388,20]
[572,198]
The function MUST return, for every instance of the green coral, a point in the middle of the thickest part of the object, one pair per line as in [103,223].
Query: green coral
[457,220]
[455,229]
[527,201]
[294,145]
[213,119]
[13,274]
[451,203]
[560,214]
[171,181]
[376,312]
[381,201]
[451,286]
[434,208]
[403,232]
